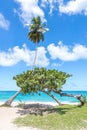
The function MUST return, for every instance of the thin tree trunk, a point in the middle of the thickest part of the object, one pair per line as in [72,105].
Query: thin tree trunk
[8,102]
[35,56]
[78,97]
[59,103]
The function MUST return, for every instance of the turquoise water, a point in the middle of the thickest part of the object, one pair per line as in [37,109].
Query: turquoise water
[4,95]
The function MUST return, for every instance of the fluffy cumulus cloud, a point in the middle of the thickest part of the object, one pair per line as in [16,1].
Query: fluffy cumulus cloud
[31,8]
[42,60]
[51,3]
[28,9]
[4,24]
[16,54]
[68,7]
[61,52]
[66,53]
[74,7]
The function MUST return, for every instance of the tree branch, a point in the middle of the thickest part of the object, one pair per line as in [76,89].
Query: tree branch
[8,102]
[78,97]
[59,103]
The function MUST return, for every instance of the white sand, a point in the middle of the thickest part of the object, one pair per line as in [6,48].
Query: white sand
[8,115]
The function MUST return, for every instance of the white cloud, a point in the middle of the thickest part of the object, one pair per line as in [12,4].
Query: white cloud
[65,53]
[74,7]
[51,4]
[41,60]
[29,9]
[57,64]
[3,22]
[16,54]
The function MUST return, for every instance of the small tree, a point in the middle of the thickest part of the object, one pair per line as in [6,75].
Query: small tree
[44,80]
[41,79]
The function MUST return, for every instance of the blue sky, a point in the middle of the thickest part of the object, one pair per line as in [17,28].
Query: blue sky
[64,47]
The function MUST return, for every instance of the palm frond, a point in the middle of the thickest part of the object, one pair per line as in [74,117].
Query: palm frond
[37,28]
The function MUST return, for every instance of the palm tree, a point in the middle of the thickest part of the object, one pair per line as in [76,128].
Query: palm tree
[37,29]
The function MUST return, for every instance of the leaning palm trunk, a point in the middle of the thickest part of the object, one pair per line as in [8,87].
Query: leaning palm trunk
[8,102]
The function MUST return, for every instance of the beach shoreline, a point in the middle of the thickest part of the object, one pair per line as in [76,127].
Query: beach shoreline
[15,103]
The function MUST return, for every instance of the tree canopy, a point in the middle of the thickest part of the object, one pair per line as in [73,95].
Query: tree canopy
[41,79]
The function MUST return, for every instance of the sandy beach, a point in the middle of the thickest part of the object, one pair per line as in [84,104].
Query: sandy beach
[9,114]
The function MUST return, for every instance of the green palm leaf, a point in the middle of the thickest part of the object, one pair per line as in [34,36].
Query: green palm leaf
[37,28]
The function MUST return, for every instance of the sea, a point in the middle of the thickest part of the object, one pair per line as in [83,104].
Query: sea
[42,97]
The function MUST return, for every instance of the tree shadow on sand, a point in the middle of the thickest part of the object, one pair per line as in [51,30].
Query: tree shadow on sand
[42,109]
